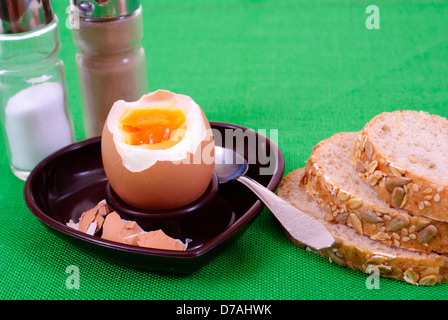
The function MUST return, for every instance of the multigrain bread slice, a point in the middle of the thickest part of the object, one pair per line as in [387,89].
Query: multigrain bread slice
[359,252]
[403,154]
[335,184]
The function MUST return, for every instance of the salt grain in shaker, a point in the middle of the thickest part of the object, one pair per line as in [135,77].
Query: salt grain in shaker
[34,112]
[110,61]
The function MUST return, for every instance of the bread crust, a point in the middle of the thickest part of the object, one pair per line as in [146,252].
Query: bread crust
[392,226]
[420,195]
[357,251]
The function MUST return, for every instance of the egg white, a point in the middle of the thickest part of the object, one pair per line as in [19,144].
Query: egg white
[138,158]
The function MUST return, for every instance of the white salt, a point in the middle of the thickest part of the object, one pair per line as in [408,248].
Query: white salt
[36,124]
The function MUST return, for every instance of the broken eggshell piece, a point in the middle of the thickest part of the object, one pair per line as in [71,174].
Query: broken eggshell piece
[119,230]
[102,220]
[91,220]
[129,232]
[169,173]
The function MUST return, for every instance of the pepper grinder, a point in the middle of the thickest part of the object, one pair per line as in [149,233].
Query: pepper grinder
[33,111]
[111,62]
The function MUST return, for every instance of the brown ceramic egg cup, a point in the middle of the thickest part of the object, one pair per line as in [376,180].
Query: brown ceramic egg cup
[138,213]
[72,180]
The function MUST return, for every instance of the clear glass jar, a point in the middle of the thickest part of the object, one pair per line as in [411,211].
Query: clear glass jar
[111,65]
[34,112]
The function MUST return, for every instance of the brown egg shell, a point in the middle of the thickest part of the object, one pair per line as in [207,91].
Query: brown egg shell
[164,185]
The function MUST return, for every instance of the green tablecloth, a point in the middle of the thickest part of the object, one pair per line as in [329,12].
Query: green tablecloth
[307,68]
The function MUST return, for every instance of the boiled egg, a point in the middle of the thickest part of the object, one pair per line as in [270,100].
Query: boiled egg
[158,152]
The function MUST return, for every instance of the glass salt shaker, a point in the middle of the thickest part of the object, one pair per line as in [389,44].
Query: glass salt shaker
[33,111]
[110,61]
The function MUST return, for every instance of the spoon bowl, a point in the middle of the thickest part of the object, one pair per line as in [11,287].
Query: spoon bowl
[229,165]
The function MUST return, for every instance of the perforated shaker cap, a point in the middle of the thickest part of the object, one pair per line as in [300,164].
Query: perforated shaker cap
[105,9]
[18,16]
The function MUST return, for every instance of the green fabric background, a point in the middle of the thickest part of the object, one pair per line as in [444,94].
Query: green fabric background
[307,68]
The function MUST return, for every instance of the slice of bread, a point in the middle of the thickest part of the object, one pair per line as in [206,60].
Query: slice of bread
[408,151]
[335,184]
[361,253]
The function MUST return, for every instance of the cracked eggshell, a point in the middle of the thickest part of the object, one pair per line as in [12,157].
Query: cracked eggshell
[159,179]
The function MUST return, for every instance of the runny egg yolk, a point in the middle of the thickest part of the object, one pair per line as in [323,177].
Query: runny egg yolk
[155,128]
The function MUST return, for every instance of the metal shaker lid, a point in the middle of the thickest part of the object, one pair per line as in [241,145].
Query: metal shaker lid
[17,16]
[105,9]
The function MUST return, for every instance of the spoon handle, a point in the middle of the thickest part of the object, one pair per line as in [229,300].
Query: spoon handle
[298,224]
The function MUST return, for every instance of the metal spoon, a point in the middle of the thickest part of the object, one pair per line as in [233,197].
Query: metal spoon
[230,165]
